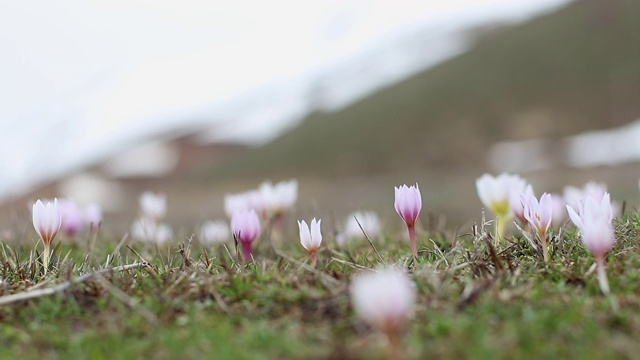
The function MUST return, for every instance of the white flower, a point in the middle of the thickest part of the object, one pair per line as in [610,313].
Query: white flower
[153,206]
[594,220]
[370,223]
[214,232]
[384,299]
[495,192]
[310,236]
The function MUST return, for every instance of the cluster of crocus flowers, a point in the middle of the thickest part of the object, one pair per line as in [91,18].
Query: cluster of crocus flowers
[539,215]
[149,226]
[74,217]
[496,194]
[311,238]
[245,226]
[408,203]
[268,200]
[384,299]
[47,221]
[593,217]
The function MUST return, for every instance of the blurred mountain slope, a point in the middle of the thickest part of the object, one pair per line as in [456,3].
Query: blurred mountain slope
[559,74]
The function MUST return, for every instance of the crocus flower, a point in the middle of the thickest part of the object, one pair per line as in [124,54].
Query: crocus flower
[72,217]
[539,216]
[148,230]
[214,232]
[594,220]
[47,221]
[153,206]
[310,238]
[559,212]
[245,226]
[280,197]
[384,299]
[93,216]
[370,224]
[408,203]
[495,194]
[515,201]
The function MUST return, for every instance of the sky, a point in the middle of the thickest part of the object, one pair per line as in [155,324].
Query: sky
[81,79]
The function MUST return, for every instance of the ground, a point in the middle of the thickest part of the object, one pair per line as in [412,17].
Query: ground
[475,299]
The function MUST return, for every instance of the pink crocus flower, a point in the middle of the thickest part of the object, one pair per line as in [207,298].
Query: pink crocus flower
[310,238]
[539,216]
[47,221]
[385,299]
[408,203]
[245,226]
[516,204]
[594,220]
[72,217]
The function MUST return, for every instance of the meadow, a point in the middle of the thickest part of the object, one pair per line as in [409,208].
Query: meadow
[476,297]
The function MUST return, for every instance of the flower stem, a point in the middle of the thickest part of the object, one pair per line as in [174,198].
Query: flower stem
[412,239]
[501,226]
[45,257]
[603,282]
[314,259]
[545,248]
[246,249]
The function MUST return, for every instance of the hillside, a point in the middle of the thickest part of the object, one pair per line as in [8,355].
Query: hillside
[559,74]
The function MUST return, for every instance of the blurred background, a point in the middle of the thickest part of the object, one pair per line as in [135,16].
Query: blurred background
[196,99]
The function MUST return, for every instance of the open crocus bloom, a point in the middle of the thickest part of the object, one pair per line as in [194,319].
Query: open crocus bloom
[495,192]
[538,214]
[516,203]
[384,299]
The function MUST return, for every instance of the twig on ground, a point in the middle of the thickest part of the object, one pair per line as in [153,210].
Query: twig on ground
[32,294]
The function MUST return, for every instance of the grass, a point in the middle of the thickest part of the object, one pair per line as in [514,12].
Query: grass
[476,299]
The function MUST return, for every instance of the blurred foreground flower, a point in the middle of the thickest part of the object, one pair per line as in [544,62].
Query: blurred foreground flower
[311,238]
[495,194]
[594,220]
[245,226]
[539,216]
[385,300]
[47,221]
[408,203]
[214,232]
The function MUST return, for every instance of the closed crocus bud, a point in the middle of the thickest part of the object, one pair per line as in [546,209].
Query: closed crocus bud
[384,299]
[72,217]
[594,220]
[310,238]
[408,203]
[153,206]
[539,216]
[245,226]
[47,221]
